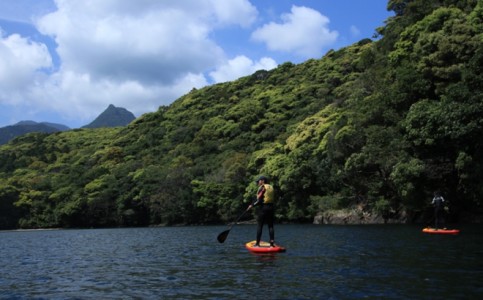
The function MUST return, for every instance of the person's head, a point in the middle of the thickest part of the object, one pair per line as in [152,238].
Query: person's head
[261,180]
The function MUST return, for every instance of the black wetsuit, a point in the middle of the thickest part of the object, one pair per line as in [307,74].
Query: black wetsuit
[438,203]
[266,214]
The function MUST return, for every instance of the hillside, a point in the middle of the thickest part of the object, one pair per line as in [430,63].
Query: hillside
[112,117]
[377,126]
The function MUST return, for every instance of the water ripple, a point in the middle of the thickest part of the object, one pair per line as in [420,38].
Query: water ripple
[322,262]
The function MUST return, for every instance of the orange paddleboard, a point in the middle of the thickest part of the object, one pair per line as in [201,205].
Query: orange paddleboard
[440,231]
[264,247]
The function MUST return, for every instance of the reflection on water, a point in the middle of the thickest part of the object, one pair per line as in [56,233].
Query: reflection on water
[321,262]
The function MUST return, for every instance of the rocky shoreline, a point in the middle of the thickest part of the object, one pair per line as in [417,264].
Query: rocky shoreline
[354,216]
[357,216]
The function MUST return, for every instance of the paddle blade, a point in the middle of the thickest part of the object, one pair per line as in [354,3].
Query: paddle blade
[222,236]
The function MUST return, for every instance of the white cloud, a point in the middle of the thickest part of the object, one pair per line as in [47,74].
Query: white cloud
[153,45]
[241,66]
[235,12]
[77,95]
[304,31]
[134,54]
[20,62]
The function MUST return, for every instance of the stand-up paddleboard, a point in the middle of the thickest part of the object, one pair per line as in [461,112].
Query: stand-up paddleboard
[264,247]
[440,231]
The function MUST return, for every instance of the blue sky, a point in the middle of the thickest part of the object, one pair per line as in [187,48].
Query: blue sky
[65,61]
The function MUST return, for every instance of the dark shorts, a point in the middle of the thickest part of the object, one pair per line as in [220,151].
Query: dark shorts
[266,214]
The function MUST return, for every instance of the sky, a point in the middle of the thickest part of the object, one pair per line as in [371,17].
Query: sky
[65,61]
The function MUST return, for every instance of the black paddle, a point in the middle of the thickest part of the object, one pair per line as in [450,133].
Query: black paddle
[222,236]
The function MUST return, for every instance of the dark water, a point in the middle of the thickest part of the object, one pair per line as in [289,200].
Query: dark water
[321,262]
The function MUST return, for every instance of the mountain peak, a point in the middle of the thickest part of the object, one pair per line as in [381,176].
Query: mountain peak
[112,117]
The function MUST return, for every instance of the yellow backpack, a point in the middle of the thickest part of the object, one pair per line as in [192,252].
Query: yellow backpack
[269,196]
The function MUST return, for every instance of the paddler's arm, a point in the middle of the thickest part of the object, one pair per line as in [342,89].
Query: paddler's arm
[260,194]
[254,203]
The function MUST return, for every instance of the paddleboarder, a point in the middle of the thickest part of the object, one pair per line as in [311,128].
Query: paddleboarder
[438,203]
[265,199]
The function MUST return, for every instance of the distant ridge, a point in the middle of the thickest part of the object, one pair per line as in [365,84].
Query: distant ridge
[8,133]
[60,127]
[112,117]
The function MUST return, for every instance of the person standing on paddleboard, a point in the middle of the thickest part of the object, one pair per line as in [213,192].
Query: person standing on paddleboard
[266,212]
[438,203]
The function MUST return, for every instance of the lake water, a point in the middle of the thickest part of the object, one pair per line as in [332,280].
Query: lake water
[321,262]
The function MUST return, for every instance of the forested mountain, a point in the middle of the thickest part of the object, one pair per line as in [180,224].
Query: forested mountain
[112,117]
[9,132]
[380,124]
